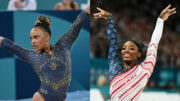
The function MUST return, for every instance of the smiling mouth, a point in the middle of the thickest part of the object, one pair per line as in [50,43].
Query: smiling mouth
[126,55]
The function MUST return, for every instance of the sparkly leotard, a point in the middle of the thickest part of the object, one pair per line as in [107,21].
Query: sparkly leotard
[53,70]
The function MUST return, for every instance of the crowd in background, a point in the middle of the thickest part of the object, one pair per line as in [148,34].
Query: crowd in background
[138,23]
[136,19]
[32,5]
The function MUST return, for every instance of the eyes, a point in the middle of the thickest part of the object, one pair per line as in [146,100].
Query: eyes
[130,48]
[34,37]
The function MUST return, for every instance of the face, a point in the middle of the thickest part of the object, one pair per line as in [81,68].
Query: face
[130,52]
[39,39]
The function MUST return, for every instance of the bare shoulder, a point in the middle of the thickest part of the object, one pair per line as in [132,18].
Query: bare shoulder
[58,6]
[76,5]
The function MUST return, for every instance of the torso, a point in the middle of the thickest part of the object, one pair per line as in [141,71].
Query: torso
[54,72]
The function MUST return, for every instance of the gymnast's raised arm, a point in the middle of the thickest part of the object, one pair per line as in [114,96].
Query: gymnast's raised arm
[113,58]
[156,36]
[157,33]
[68,38]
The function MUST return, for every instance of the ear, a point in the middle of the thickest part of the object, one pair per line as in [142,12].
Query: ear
[47,36]
[139,54]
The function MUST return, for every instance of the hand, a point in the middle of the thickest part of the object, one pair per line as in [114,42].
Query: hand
[18,5]
[102,14]
[1,38]
[167,12]
[87,9]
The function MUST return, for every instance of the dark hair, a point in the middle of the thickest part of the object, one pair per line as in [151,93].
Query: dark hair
[73,5]
[142,47]
[44,23]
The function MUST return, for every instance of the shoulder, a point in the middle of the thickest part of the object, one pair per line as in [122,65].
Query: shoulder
[76,5]
[58,6]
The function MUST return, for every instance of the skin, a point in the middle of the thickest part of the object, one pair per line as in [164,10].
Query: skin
[131,59]
[18,4]
[130,54]
[40,41]
[66,5]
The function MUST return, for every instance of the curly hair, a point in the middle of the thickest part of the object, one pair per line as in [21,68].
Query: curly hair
[142,48]
[44,23]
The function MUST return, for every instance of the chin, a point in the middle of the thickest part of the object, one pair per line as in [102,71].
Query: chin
[128,60]
[36,49]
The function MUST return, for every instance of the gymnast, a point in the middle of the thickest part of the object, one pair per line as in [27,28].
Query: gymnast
[52,63]
[130,71]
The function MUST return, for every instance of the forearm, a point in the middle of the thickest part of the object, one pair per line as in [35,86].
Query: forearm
[68,39]
[156,36]
[112,37]
[78,23]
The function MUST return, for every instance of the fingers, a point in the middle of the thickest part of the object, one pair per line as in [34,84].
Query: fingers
[100,9]
[174,12]
[97,14]
[171,10]
[168,7]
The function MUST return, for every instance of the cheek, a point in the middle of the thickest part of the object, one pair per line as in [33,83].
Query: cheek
[135,54]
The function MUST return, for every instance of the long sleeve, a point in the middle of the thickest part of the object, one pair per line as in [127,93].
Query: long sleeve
[151,55]
[156,36]
[17,50]
[113,47]
[68,38]
[115,63]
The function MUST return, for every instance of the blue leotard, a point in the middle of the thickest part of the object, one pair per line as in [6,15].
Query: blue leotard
[53,70]
[115,63]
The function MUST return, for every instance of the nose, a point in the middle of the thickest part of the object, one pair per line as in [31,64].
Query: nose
[126,50]
[32,41]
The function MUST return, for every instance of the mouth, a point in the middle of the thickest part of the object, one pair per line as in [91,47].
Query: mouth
[126,55]
[34,46]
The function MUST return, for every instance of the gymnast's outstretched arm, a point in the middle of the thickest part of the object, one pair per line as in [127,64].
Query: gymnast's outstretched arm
[157,33]
[68,38]
[15,49]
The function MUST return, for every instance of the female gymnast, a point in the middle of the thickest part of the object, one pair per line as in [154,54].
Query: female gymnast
[128,77]
[52,63]
[67,5]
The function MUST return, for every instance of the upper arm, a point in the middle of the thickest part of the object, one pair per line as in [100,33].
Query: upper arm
[151,55]
[57,6]
[76,6]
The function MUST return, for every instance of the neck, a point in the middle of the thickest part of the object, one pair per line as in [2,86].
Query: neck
[48,49]
[129,65]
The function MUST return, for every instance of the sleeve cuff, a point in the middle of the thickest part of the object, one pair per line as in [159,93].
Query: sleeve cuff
[160,20]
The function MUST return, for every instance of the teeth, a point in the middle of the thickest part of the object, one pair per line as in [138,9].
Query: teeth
[126,55]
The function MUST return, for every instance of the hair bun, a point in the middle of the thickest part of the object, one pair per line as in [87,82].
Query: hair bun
[43,21]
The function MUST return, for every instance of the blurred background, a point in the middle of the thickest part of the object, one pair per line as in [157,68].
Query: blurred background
[42,4]
[136,19]
[17,78]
